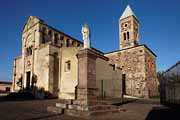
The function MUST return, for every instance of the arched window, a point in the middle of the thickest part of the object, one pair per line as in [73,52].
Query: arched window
[62,37]
[72,43]
[55,38]
[128,35]
[44,30]
[124,34]
[43,35]
[29,51]
[67,66]
[67,43]
[50,33]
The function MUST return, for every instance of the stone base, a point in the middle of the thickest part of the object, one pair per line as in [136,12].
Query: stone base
[54,109]
[83,108]
[80,109]
[87,94]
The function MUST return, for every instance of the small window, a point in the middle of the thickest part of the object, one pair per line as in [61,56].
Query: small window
[44,30]
[67,66]
[28,51]
[72,43]
[43,35]
[128,35]
[78,45]
[126,25]
[62,38]
[55,38]
[114,67]
[50,33]
[124,34]
[67,43]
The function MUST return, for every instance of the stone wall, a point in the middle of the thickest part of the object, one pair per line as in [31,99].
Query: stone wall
[53,69]
[108,80]
[133,63]
[151,75]
[17,72]
[42,66]
[68,78]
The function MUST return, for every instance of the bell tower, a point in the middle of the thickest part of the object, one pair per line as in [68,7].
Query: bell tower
[128,29]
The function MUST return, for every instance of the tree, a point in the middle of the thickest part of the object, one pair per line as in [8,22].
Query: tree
[160,76]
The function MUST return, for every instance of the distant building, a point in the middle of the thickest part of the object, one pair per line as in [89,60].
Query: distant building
[173,70]
[170,85]
[5,86]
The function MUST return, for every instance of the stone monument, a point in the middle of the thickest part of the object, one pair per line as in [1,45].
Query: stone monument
[86,88]
[86,35]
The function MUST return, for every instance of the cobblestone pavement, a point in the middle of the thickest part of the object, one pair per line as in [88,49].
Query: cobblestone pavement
[36,110]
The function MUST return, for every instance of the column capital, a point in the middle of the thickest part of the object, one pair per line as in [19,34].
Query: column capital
[87,53]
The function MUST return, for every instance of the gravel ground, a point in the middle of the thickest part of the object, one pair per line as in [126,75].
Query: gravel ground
[36,110]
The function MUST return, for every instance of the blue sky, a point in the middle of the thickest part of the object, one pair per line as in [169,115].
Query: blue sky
[159,25]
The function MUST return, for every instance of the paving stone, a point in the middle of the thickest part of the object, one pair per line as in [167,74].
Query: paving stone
[61,105]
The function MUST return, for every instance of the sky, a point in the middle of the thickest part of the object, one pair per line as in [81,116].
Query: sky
[159,25]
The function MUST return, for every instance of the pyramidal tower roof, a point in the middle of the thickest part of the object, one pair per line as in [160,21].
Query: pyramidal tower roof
[127,12]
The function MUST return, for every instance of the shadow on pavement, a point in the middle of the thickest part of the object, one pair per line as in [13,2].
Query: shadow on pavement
[163,113]
[17,97]
[44,117]
[124,101]
[21,96]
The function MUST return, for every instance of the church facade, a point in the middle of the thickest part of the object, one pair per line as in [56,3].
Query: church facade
[49,61]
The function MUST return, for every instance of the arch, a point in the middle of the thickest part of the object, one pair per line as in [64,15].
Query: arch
[43,35]
[128,36]
[28,40]
[50,33]
[67,43]
[72,43]
[56,38]
[124,35]
[36,37]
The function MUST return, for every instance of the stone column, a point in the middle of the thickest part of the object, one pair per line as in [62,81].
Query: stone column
[86,88]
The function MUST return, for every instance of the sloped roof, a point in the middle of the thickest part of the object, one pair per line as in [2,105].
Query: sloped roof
[127,12]
[30,22]
[134,47]
[178,63]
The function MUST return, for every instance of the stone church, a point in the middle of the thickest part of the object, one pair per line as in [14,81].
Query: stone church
[51,61]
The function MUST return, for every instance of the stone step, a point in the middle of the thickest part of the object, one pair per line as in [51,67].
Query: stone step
[92,108]
[54,109]
[90,102]
[76,113]
[78,107]
[85,114]
[61,105]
